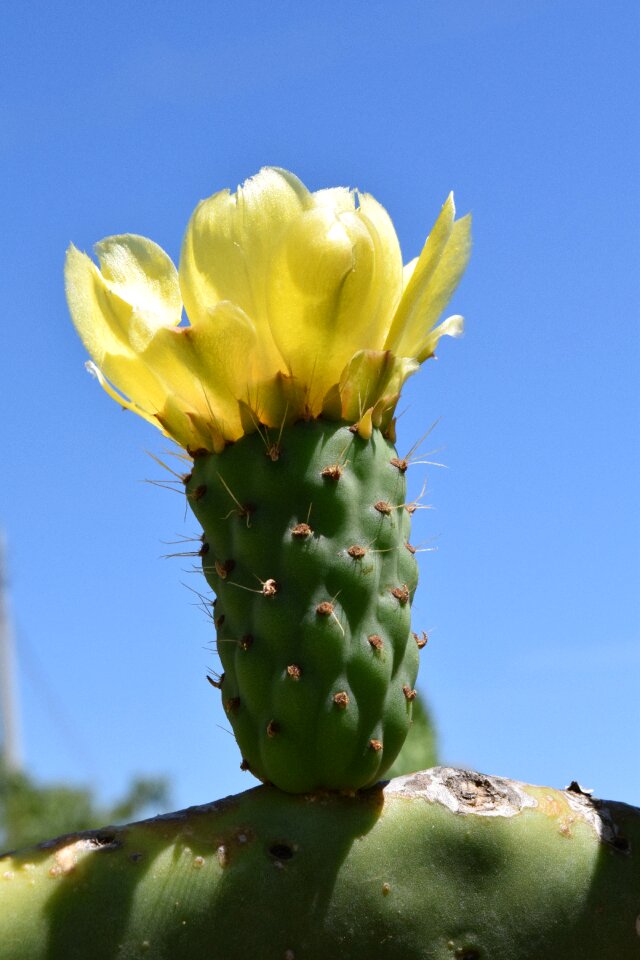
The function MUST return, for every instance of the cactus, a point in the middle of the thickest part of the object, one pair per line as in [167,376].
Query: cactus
[282,391]
[312,612]
[445,864]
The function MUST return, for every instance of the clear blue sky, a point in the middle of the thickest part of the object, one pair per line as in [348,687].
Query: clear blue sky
[119,118]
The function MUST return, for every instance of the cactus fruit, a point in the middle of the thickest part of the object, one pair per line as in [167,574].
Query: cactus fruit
[445,865]
[303,321]
[307,551]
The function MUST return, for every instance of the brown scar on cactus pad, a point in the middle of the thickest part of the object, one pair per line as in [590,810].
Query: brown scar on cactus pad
[409,693]
[356,552]
[400,463]
[401,594]
[376,641]
[384,507]
[301,530]
[341,699]
[332,472]
[325,609]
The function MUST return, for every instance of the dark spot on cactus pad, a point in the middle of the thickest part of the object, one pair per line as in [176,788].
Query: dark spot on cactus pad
[199,492]
[621,844]
[281,850]
[106,840]
[246,641]
[401,464]
[384,507]
[376,641]
[232,705]
[136,857]
[401,594]
[332,472]
[301,530]
[204,549]
[408,692]
[247,510]
[422,640]
[185,478]
[356,552]
[375,745]
[294,671]
[273,728]
[341,699]
[325,609]
[467,953]
[245,765]
[219,620]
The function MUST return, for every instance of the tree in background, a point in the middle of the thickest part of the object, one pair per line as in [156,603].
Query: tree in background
[30,812]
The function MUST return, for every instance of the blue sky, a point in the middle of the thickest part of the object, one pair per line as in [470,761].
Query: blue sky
[119,119]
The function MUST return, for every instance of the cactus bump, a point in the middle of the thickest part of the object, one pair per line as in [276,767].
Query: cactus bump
[303,325]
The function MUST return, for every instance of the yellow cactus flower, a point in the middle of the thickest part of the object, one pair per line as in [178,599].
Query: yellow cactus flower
[298,306]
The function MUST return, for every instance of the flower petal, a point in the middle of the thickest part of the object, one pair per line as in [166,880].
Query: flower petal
[325,296]
[388,260]
[227,250]
[207,366]
[371,377]
[143,275]
[103,321]
[432,283]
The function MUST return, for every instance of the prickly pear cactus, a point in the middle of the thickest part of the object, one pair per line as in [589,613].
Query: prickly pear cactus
[303,327]
[307,548]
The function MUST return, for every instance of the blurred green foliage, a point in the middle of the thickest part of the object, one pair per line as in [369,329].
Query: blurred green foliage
[32,812]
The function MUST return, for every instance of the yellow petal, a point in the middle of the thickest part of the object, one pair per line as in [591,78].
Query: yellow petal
[325,296]
[369,378]
[432,283]
[103,321]
[113,393]
[207,366]
[228,246]
[141,274]
[407,272]
[388,261]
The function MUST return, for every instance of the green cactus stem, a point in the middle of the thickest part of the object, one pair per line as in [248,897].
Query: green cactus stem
[306,546]
[440,865]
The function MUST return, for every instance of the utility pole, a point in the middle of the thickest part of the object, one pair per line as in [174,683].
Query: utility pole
[11,752]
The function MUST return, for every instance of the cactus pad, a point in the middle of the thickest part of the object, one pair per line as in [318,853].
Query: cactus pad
[306,547]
